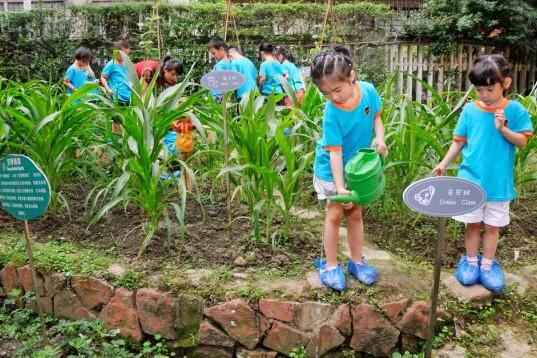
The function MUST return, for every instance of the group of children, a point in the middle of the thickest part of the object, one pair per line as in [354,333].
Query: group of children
[487,134]
[276,68]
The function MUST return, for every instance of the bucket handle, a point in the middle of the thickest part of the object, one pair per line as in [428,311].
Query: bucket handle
[348,198]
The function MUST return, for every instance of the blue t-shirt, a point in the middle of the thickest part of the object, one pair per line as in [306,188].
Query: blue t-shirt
[488,159]
[294,78]
[273,71]
[118,80]
[78,77]
[350,129]
[245,67]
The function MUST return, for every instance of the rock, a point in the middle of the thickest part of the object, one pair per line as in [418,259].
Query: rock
[156,312]
[238,320]
[198,277]
[314,281]
[281,310]
[212,352]
[92,292]
[324,339]
[372,333]
[264,325]
[394,310]
[67,305]
[280,259]
[116,270]
[519,282]
[120,313]
[475,293]
[54,283]
[45,304]
[312,314]
[209,335]
[289,287]
[409,343]
[240,261]
[24,274]
[240,275]
[283,338]
[341,319]
[188,315]
[450,351]
[416,320]
[9,278]
[514,346]
[259,353]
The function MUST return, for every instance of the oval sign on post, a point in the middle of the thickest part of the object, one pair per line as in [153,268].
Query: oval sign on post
[24,188]
[222,81]
[444,196]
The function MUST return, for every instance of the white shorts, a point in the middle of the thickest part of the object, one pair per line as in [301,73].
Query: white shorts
[323,188]
[493,213]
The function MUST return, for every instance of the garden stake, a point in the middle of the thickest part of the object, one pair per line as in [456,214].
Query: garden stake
[226,161]
[441,229]
[29,252]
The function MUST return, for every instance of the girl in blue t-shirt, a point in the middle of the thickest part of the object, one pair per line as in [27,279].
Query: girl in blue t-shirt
[115,75]
[487,134]
[271,72]
[351,121]
[80,72]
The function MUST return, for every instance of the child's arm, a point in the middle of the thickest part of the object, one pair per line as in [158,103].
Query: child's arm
[336,164]
[454,150]
[380,144]
[69,85]
[105,84]
[518,139]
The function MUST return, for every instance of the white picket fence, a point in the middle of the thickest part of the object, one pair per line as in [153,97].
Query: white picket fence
[414,62]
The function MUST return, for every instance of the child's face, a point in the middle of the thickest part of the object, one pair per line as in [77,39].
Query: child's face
[491,95]
[170,77]
[83,62]
[280,58]
[218,54]
[337,91]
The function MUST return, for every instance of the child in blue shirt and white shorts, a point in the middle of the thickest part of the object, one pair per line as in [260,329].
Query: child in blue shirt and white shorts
[487,134]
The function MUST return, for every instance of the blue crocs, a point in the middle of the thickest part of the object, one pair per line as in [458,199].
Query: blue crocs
[334,279]
[493,279]
[466,273]
[364,273]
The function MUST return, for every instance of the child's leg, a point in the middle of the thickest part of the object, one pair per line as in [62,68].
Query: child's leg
[355,232]
[332,221]
[490,241]
[472,239]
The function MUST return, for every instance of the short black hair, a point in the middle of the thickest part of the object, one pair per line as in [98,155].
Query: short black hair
[335,62]
[170,64]
[285,52]
[488,70]
[266,47]
[83,54]
[217,43]
[122,44]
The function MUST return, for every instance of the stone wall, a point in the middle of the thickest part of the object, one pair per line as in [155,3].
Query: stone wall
[231,329]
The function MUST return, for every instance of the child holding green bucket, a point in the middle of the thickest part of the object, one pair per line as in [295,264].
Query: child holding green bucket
[351,119]
[487,134]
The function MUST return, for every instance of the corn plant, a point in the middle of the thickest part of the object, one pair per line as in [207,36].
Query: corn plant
[526,159]
[48,126]
[140,155]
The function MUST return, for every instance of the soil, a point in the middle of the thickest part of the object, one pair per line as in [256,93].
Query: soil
[207,243]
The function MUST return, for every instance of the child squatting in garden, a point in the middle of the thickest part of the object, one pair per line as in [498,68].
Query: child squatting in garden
[351,117]
[487,133]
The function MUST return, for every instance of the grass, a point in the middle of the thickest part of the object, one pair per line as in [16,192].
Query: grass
[57,256]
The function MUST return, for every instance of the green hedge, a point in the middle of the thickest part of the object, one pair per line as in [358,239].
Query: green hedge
[40,43]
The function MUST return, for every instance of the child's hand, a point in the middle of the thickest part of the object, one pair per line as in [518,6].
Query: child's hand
[500,120]
[381,148]
[440,169]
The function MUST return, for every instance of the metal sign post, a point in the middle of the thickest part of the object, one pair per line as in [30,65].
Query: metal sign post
[223,82]
[441,197]
[25,194]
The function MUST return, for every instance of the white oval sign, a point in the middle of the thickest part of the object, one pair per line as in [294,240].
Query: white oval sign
[444,196]
[222,81]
